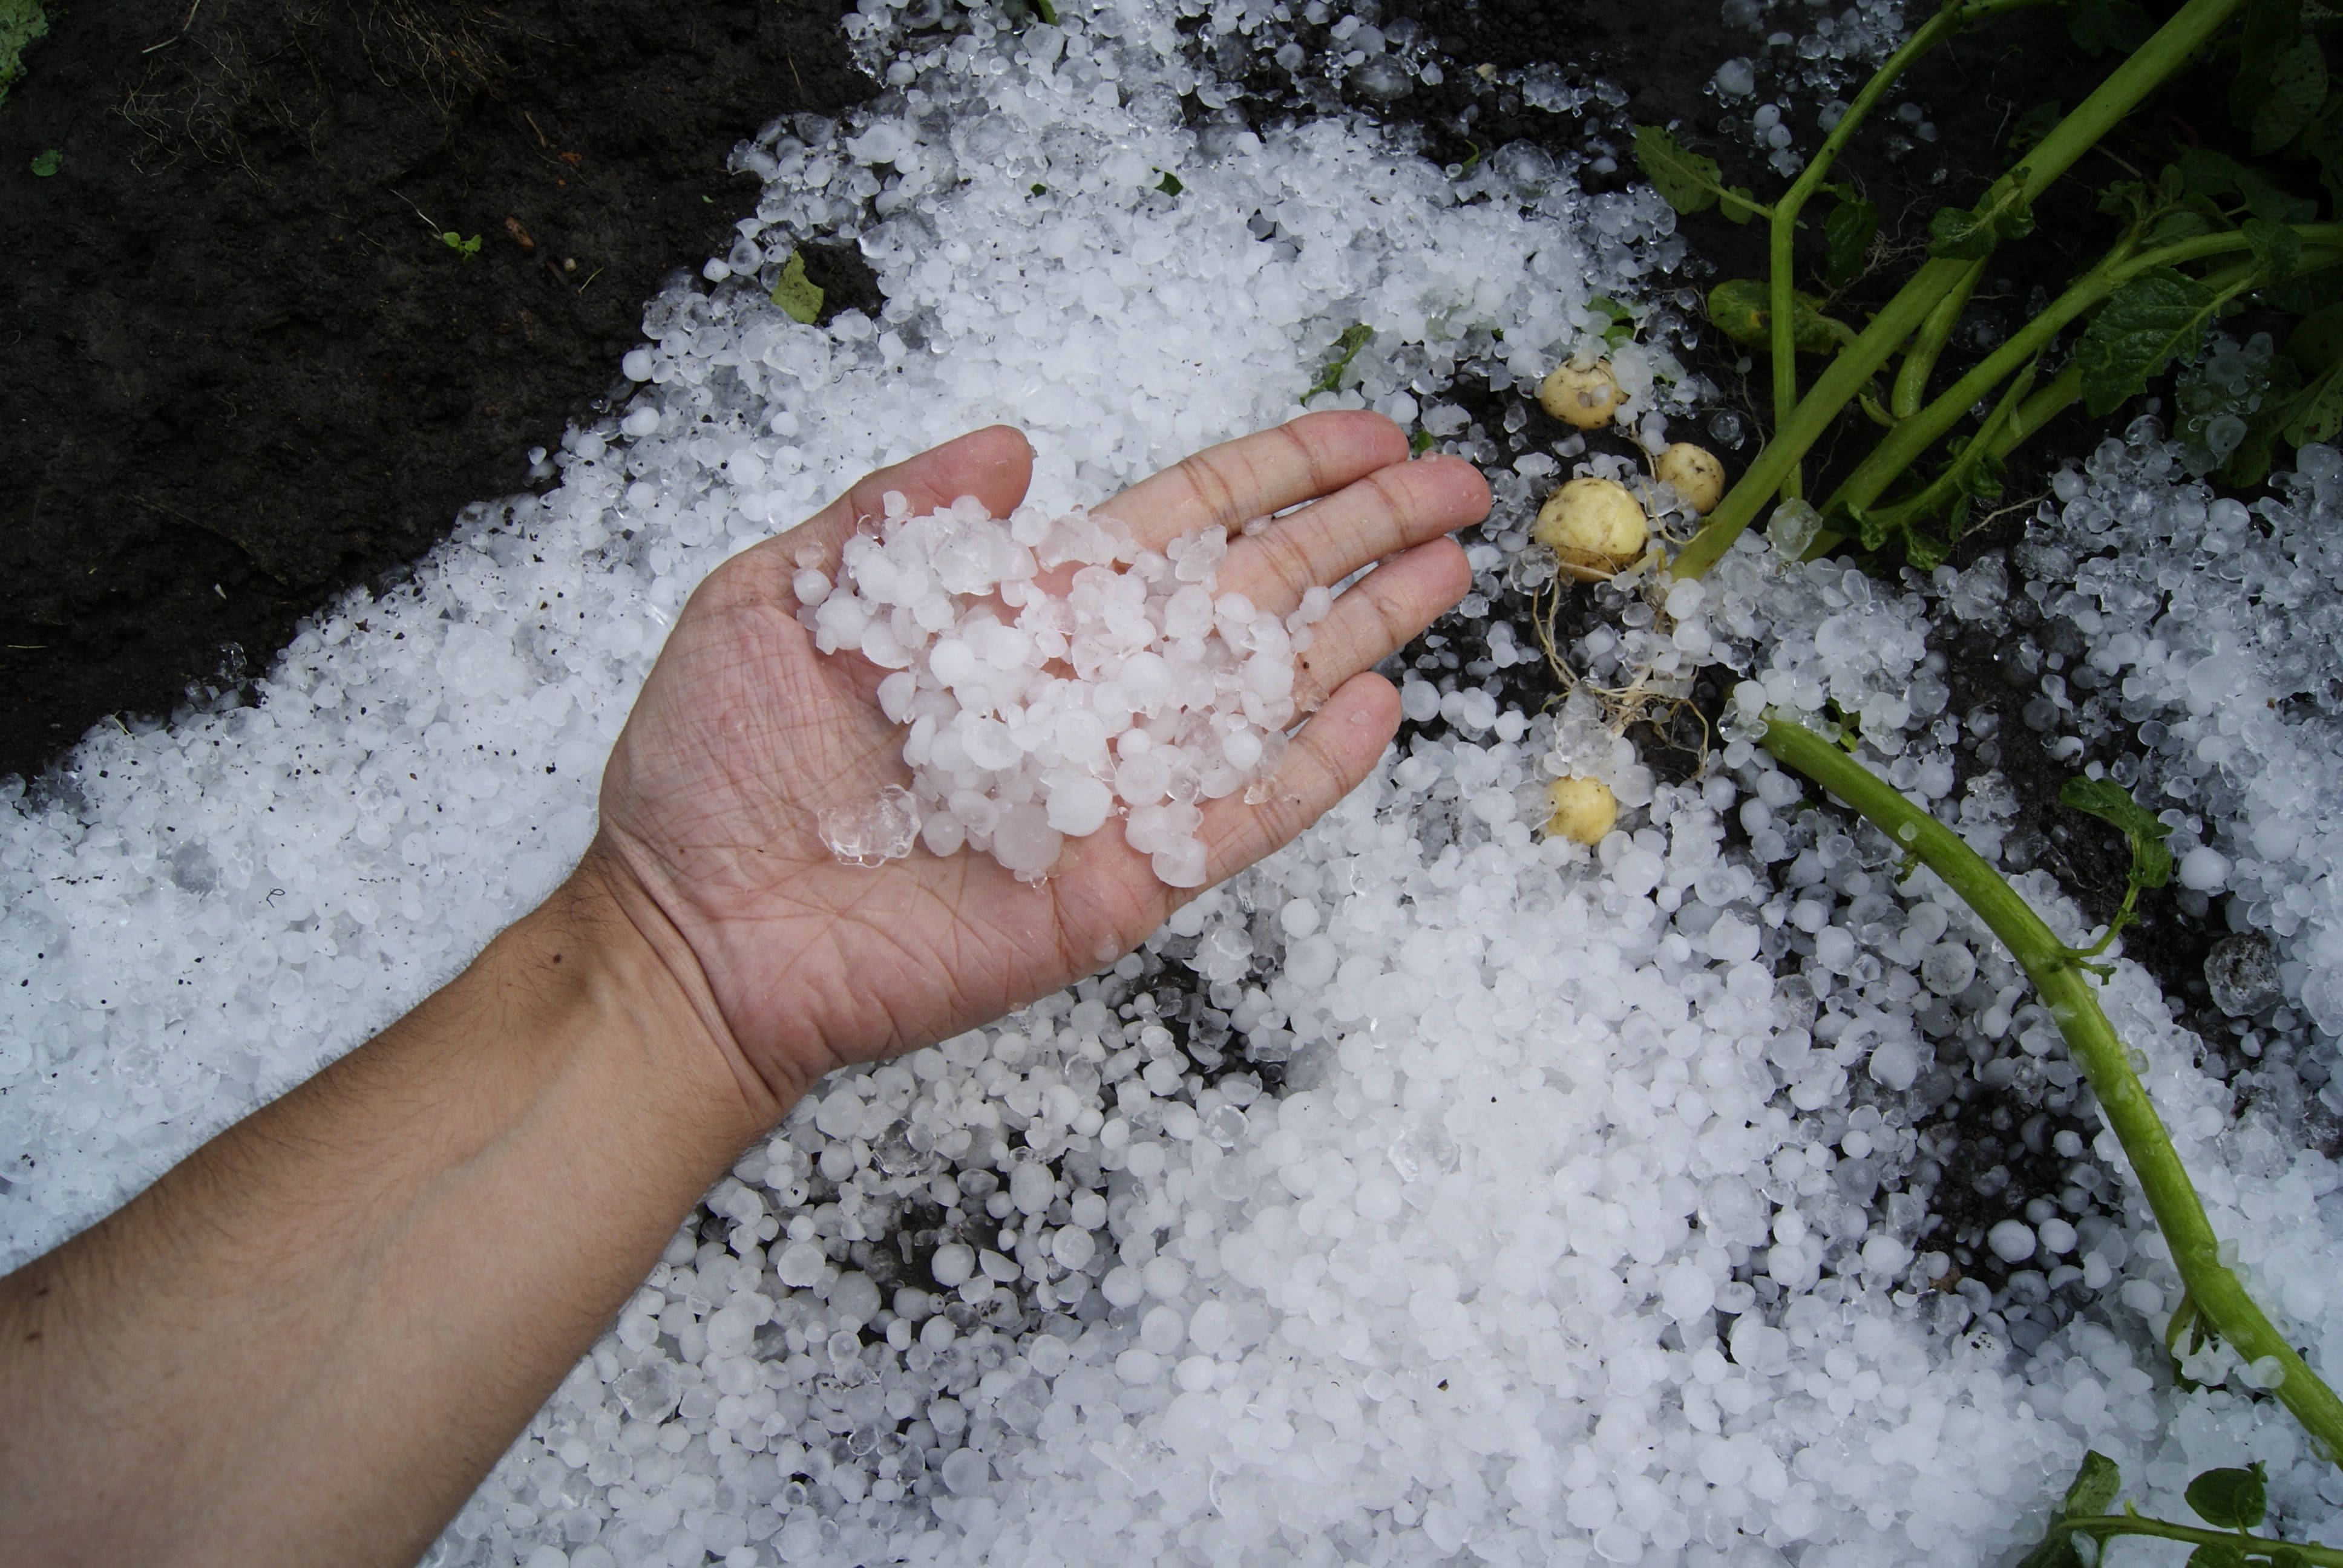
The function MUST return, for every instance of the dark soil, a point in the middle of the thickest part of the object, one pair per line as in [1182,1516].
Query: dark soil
[247,373]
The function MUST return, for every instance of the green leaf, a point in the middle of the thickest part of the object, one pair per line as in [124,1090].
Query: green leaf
[2249,465]
[2027,133]
[2217,1554]
[2151,860]
[2099,26]
[1421,442]
[45,163]
[1924,549]
[467,248]
[798,295]
[2230,1499]
[1969,234]
[2317,340]
[2288,1557]
[2306,292]
[1847,233]
[2142,326]
[2290,95]
[1742,311]
[1346,348]
[2315,413]
[1170,183]
[2210,173]
[2275,246]
[2095,1484]
[1041,189]
[1046,11]
[1687,181]
[2055,1550]
[21,22]
[1621,321]
[2281,76]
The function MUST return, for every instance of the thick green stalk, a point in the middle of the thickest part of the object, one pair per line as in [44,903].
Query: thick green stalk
[2105,1527]
[1845,376]
[2033,411]
[1781,287]
[2170,49]
[1928,345]
[2219,1296]
[1903,445]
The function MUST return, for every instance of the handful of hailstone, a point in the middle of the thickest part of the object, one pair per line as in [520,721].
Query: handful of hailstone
[1034,715]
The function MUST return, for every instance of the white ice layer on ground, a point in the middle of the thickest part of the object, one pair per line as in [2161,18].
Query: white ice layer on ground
[2217,625]
[1564,1241]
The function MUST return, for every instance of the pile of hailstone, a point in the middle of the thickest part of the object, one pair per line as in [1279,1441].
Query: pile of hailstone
[1034,715]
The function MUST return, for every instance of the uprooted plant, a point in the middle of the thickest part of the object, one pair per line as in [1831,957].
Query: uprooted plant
[2215,1301]
[2205,238]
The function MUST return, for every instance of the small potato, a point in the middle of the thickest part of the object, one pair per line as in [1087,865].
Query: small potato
[1580,809]
[1595,526]
[1582,396]
[1695,473]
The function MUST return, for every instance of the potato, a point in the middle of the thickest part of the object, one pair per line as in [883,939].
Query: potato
[1596,526]
[1694,471]
[1583,395]
[1580,809]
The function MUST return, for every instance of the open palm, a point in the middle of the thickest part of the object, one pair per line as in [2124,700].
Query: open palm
[745,734]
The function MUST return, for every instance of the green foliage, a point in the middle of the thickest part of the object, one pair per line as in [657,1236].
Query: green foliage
[2231,1499]
[2099,26]
[46,163]
[1847,233]
[21,22]
[467,248]
[2094,1487]
[1969,234]
[2026,133]
[2110,802]
[1688,181]
[2212,174]
[1421,442]
[1170,183]
[1742,312]
[1346,348]
[1620,320]
[2282,75]
[2157,315]
[2226,1499]
[798,295]
[2217,1554]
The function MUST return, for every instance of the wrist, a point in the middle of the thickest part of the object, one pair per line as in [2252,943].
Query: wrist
[643,975]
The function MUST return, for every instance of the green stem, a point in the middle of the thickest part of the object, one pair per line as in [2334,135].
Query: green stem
[1783,221]
[2215,1288]
[1928,345]
[1898,450]
[1986,444]
[2170,49]
[2031,414]
[2107,1526]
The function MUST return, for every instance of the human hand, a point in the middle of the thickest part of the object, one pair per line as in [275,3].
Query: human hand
[744,735]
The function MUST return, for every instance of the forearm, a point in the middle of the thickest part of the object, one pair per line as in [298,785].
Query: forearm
[310,1339]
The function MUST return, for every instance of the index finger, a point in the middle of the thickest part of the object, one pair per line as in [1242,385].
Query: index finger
[1226,485]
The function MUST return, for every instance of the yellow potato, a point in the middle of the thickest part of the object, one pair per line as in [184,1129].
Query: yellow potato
[1581,396]
[1695,473]
[1596,526]
[1580,809]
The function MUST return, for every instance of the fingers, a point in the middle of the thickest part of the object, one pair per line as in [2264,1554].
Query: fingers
[1328,758]
[994,465]
[1379,617]
[1390,510]
[1225,486]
